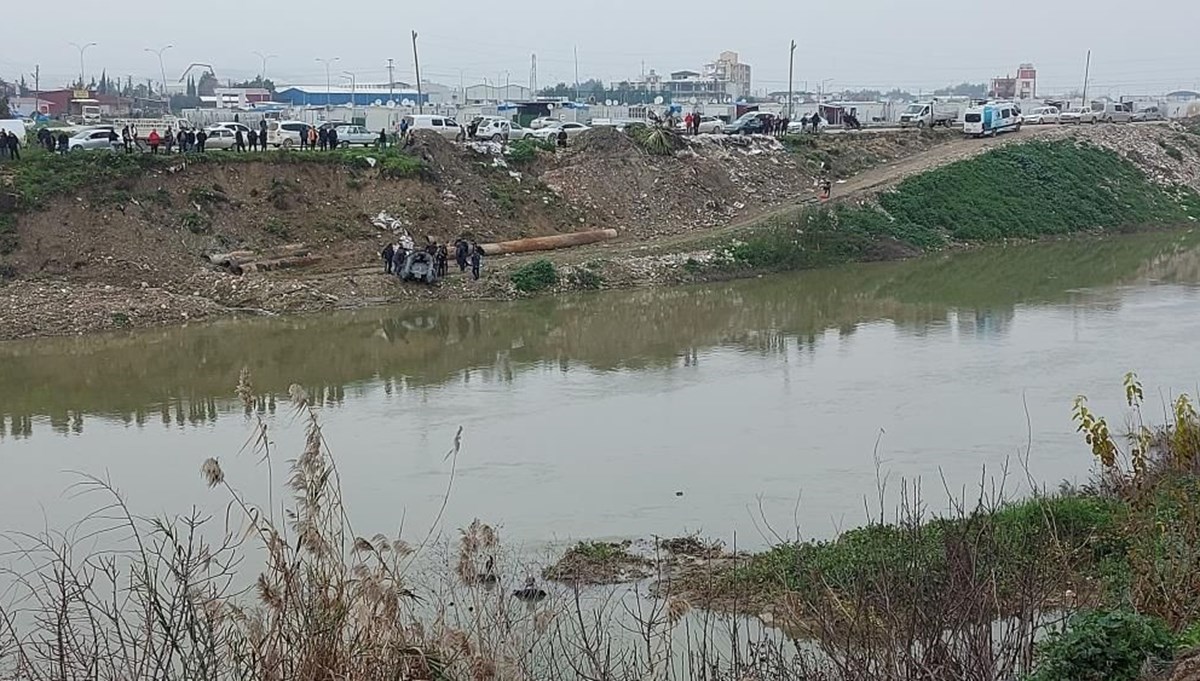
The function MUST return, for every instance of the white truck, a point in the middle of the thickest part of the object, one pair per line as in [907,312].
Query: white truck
[929,114]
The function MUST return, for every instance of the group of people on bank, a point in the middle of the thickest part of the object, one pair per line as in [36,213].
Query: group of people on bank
[466,254]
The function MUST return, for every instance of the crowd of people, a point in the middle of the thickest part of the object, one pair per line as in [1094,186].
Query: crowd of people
[466,254]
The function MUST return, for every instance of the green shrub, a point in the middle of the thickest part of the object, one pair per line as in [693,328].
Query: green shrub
[196,223]
[655,139]
[1103,645]
[400,166]
[1170,150]
[536,276]
[526,150]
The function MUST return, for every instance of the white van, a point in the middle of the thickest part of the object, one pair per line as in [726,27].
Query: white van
[992,119]
[442,125]
[285,134]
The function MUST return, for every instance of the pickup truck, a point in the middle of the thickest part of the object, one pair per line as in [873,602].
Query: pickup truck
[928,115]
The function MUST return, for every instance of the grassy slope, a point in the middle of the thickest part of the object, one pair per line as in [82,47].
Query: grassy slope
[1019,191]
[41,176]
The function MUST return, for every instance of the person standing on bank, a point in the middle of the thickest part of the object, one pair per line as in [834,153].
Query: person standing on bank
[476,261]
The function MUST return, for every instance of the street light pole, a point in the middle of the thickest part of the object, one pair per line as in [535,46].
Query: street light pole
[353,91]
[264,57]
[82,49]
[328,86]
[161,69]
[791,71]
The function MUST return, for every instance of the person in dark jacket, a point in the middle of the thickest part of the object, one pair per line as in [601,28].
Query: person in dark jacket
[190,140]
[323,139]
[383,140]
[14,147]
[476,260]
[239,140]
[440,260]
[201,138]
[303,137]
[462,250]
[397,260]
[562,139]
[333,141]
[388,252]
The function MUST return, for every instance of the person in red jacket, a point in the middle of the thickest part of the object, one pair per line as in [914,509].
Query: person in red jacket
[154,141]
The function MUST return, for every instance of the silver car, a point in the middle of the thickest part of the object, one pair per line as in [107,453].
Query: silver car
[351,135]
[220,138]
[101,139]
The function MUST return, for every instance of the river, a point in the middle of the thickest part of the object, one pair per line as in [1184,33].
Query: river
[717,409]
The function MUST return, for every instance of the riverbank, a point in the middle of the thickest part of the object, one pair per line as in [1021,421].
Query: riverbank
[138,263]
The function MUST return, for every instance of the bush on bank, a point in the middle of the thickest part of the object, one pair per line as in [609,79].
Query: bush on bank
[1021,191]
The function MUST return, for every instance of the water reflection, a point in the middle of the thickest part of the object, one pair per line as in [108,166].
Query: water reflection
[185,376]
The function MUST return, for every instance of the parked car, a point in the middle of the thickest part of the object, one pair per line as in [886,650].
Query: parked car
[446,127]
[233,126]
[750,123]
[285,134]
[1078,115]
[355,135]
[1116,112]
[103,139]
[708,124]
[572,129]
[543,122]
[220,138]
[497,129]
[1150,113]
[1042,115]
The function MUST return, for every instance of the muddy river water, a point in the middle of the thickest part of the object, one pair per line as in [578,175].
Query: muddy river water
[630,413]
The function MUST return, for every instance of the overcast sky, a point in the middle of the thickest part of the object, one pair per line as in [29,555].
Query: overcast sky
[1138,47]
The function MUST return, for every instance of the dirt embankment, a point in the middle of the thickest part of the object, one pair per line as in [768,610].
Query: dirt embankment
[131,252]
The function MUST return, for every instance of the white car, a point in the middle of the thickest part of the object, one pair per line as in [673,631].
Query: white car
[543,122]
[234,127]
[446,127]
[95,139]
[220,138]
[708,125]
[498,129]
[352,135]
[285,134]
[1078,115]
[572,129]
[1042,115]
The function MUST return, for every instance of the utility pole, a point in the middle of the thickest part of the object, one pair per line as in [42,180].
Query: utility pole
[417,70]
[37,87]
[391,78]
[1087,67]
[791,71]
[576,49]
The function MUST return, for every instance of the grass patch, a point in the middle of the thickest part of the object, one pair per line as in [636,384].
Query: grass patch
[505,200]
[598,563]
[525,151]
[277,228]
[196,222]
[536,276]
[1022,191]
[400,166]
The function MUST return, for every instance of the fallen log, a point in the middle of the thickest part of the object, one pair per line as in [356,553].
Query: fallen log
[243,256]
[549,243]
[279,263]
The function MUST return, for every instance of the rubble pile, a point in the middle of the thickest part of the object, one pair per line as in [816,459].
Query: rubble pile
[1166,153]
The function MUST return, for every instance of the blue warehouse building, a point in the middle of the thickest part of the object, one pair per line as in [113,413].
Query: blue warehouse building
[363,95]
